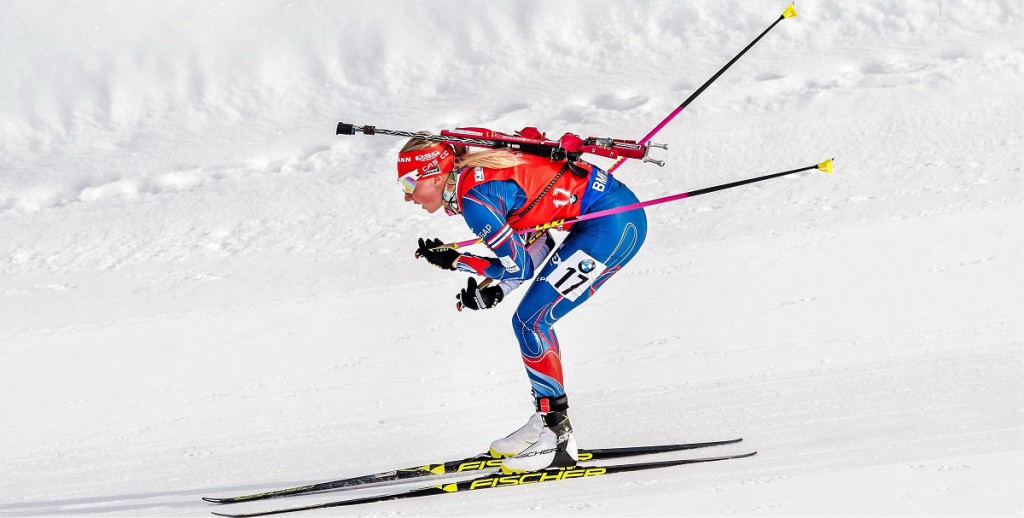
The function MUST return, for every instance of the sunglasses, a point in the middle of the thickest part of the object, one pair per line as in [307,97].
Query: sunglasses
[408,180]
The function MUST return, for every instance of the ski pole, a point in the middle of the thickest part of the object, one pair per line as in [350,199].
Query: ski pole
[825,166]
[790,12]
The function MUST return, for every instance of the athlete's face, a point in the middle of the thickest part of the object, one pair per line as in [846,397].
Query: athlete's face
[427,193]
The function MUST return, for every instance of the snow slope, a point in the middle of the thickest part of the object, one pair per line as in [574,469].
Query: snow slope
[204,291]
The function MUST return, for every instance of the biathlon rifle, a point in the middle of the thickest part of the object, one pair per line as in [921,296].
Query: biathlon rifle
[527,140]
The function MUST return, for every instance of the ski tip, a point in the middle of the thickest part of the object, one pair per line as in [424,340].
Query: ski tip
[213,500]
[790,12]
[727,441]
[826,166]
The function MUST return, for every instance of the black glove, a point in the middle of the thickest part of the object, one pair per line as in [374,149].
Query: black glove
[479,298]
[443,258]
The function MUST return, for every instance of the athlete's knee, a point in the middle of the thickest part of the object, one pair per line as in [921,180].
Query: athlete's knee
[532,333]
[523,326]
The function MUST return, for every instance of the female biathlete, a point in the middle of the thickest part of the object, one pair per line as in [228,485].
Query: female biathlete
[498,193]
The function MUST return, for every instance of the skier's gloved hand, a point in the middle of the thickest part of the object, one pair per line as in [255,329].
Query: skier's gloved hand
[475,298]
[443,258]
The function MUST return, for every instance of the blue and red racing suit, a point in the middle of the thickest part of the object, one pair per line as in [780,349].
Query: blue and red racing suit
[497,202]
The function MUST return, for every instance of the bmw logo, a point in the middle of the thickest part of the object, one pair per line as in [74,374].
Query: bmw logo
[587,265]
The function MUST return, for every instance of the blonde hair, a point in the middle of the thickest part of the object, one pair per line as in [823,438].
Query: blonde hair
[490,159]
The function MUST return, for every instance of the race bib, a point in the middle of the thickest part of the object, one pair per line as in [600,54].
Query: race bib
[574,275]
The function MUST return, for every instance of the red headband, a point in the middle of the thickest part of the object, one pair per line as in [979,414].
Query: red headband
[439,158]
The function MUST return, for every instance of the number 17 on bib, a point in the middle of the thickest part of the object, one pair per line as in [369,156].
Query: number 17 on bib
[574,275]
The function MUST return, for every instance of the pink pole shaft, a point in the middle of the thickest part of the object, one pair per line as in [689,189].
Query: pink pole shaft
[641,204]
[648,136]
[595,215]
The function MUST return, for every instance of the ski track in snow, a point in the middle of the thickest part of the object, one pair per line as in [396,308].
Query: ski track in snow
[204,292]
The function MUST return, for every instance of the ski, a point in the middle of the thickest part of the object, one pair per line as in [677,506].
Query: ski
[476,463]
[497,480]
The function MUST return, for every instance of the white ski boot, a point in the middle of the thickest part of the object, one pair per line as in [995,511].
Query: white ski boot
[519,440]
[555,448]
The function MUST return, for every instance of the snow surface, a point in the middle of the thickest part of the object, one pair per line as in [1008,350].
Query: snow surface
[205,292]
